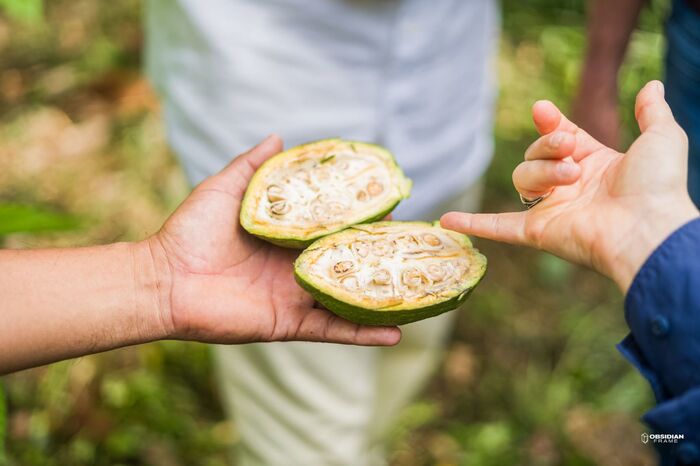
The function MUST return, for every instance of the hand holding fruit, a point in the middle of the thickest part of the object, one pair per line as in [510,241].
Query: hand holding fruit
[201,277]
[222,285]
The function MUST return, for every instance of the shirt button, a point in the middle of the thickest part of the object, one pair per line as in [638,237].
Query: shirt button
[660,326]
[688,453]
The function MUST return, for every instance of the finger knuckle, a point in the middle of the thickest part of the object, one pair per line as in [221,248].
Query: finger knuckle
[533,232]
[681,134]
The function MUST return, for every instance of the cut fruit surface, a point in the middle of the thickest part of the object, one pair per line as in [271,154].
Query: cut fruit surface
[390,273]
[319,188]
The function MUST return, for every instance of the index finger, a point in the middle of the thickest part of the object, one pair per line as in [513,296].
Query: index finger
[507,227]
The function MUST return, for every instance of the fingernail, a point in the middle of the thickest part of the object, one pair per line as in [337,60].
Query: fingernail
[270,137]
[556,140]
[567,169]
[660,87]
[263,142]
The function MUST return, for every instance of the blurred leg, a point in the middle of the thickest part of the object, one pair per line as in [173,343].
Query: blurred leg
[403,370]
[299,403]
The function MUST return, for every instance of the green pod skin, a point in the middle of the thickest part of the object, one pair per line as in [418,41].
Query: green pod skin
[396,314]
[364,316]
[296,236]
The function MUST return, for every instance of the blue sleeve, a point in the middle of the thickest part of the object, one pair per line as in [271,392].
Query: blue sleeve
[662,309]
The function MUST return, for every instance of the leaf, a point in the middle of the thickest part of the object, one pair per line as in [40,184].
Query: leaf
[16,218]
[29,11]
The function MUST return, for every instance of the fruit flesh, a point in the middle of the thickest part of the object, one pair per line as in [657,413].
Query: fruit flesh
[319,188]
[390,272]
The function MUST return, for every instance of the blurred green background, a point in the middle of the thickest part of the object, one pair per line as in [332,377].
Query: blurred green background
[531,376]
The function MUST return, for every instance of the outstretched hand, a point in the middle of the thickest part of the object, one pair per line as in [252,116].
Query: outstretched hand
[219,284]
[604,209]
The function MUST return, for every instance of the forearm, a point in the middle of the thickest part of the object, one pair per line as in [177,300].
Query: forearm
[63,303]
[610,26]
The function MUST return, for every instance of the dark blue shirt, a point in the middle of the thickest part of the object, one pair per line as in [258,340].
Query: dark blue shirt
[662,309]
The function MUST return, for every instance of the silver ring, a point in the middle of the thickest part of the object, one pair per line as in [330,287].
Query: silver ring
[530,203]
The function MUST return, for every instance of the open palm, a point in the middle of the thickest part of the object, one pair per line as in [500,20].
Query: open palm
[222,285]
[598,200]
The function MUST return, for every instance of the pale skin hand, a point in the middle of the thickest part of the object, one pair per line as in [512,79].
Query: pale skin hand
[201,277]
[607,210]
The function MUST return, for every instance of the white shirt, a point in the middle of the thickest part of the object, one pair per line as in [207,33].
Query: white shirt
[413,75]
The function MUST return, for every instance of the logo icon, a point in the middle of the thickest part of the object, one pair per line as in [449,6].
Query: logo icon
[645,437]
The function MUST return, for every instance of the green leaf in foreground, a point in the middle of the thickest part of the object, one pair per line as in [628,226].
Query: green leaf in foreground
[19,218]
[29,11]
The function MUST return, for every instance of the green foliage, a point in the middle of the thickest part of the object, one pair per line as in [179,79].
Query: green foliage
[159,407]
[30,11]
[486,444]
[19,218]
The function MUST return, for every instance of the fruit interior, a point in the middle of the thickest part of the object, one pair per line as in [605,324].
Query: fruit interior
[324,186]
[392,265]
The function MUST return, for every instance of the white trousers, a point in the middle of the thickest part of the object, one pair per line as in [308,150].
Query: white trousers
[312,404]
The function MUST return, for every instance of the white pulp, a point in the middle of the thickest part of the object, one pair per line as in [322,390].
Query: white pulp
[417,264]
[325,189]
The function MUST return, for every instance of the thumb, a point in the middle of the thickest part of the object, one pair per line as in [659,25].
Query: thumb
[652,111]
[234,178]
[247,163]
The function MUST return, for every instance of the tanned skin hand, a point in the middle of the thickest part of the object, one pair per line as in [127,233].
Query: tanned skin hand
[201,277]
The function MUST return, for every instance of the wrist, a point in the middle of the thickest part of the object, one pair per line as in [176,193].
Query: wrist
[647,234]
[152,284]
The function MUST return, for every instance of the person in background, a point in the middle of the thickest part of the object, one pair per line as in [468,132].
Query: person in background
[201,277]
[610,26]
[629,217]
[412,75]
